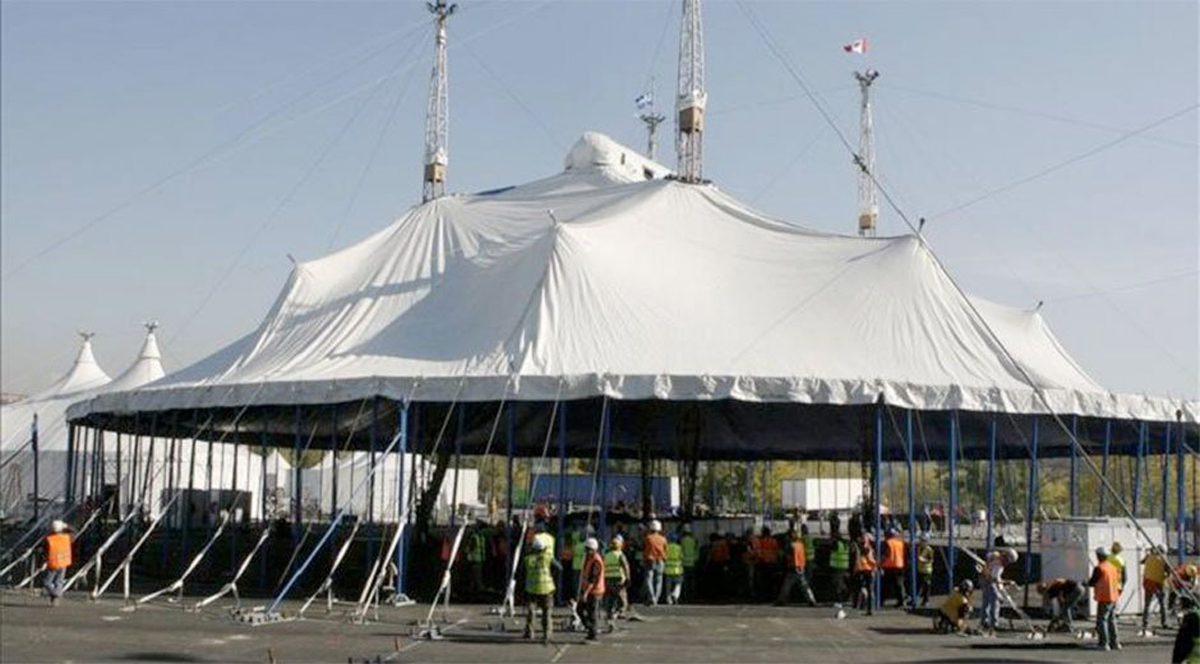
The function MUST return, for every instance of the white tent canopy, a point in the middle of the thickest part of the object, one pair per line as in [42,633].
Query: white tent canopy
[607,279]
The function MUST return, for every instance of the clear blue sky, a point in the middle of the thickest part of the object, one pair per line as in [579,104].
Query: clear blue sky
[102,100]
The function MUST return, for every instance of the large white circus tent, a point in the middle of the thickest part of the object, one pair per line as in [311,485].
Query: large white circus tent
[611,280]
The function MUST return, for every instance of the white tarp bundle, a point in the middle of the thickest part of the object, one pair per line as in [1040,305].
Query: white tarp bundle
[607,279]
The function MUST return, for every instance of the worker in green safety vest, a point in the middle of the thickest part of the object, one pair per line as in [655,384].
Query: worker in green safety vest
[476,546]
[540,566]
[839,565]
[810,548]
[673,569]
[616,579]
[691,555]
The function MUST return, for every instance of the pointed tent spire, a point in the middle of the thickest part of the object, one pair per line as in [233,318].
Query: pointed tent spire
[691,97]
[147,368]
[437,117]
[85,373]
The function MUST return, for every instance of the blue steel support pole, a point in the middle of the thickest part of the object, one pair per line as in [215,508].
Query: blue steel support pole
[296,488]
[991,483]
[749,487]
[606,443]
[508,510]
[459,427]
[333,453]
[33,441]
[1073,487]
[69,475]
[401,497]
[1104,466]
[876,459]
[1166,476]
[1137,469]
[912,507]
[374,442]
[951,512]
[262,510]
[1180,490]
[560,536]
[1031,501]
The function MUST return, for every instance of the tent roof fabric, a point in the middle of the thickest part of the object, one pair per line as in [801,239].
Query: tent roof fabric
[84,379]
[609,280]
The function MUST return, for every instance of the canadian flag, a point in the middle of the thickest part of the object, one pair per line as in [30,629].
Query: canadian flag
[857,46]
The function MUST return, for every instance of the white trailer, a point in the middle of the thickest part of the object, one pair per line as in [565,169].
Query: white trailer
[822,494]
[1068,551]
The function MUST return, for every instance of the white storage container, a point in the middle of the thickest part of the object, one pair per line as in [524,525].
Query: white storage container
[1068,548]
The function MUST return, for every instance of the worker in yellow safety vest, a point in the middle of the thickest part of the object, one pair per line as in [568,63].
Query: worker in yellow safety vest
[616,581]
[691,555]
[1106,588]
[58,559]
[539,585]
[673,569]
[924,568]
[1155,570]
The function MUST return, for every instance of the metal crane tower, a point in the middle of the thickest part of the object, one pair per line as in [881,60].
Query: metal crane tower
[691,97]
[437,117]
[651,119]
[868,201]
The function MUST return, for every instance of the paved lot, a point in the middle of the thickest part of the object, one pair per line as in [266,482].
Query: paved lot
[80,631]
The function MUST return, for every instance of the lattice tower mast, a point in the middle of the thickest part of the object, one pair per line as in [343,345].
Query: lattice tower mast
[691,96]
[437,117]
[868,197]
[652,119]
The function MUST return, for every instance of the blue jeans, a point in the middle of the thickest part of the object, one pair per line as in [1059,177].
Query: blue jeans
[991,607]
[1106,624]
[54,581]
[654,579]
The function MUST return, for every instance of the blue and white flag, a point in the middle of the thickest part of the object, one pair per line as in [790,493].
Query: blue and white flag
[644,100]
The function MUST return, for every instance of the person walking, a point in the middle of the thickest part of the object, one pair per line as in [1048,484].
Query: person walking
[797,563]
[839,563]
[654,555]
[924,568]
[893,568]
[58,558]
[864,574]
[691,554]
[1106,589]
[540,567]
[616,578]
[673,570]
[592,589]
[1155,570]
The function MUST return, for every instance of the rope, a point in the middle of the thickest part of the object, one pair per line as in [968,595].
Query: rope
[596,462]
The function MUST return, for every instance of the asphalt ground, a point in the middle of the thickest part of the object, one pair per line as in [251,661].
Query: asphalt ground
[82,631]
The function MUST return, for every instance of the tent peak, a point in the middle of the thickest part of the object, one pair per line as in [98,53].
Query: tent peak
[596,151]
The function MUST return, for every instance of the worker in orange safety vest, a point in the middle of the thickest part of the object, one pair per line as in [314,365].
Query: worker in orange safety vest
[58,559]
[1106,588]
[893,568]
[591,586]
[797,561]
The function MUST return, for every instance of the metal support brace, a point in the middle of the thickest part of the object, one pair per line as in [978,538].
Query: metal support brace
[1074,481]
[370,591]
[327,585]
[1031,504]
[1104,464]
[428,629]
[178,583]
[1166,476]
[94,562]
[876,458]
[128,560]
[232,586]
[1137,469]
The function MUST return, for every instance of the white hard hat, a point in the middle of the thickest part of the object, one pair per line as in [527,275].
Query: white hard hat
[538,544]
[1011,554]
[655,526]
[591,544]
[58,525]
